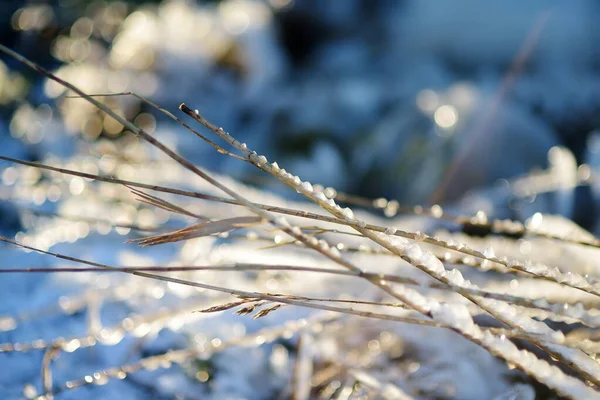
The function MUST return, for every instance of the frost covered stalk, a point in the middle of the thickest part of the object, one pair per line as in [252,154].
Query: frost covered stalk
[455,316]
[460,314]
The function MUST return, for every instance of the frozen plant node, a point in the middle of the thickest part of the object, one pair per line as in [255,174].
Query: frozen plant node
[390,230]
[261,160]
[275,167]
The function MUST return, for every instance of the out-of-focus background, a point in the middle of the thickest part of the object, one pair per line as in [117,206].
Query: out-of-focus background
[404,99]
[478,106]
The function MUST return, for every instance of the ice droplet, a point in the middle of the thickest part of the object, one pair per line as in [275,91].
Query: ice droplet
[390,230]
[320,196]
[335,252]
[415,253]
[348,213]
[489,253]
[307,187]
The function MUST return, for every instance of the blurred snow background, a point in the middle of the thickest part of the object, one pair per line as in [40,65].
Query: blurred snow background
[419,101]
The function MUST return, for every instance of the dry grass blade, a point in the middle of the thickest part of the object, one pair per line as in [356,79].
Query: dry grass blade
[250,308]
[245,310]
[478,225]
[226,306]
[565,279]
[280,223]
[448,315]
[576,281]
[163,204]
[200,230]
[425,261]
[266,311]
[263,297]
[574,311]
[267,297]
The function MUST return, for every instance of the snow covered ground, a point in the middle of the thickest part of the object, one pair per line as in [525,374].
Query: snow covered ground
[456,104]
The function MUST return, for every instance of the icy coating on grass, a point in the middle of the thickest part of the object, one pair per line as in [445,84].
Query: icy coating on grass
[458,317]
[112,335]
[447,312]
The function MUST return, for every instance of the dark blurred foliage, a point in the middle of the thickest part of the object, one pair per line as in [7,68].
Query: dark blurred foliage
[337,54]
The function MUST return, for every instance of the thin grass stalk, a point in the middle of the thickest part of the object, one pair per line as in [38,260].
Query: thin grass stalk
[410,297]
[585,366]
